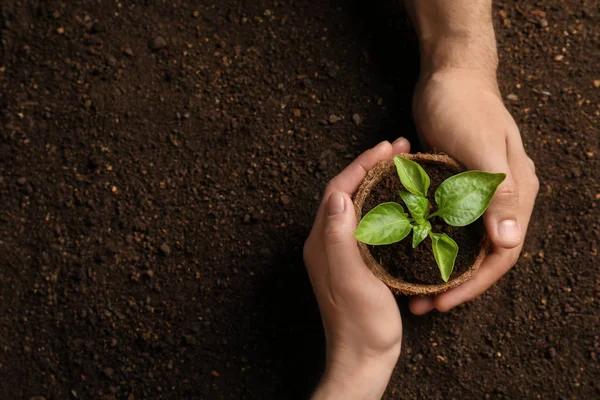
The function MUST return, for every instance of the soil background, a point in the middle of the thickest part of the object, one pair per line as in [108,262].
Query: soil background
[161,164]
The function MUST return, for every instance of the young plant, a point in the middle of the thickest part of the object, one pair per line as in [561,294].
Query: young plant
[460,200]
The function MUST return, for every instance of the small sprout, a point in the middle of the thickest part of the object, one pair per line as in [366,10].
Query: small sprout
[460,200]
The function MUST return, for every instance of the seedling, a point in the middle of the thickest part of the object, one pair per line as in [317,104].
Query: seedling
[460,200]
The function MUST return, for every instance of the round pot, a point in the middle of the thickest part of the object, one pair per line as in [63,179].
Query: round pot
[398,286]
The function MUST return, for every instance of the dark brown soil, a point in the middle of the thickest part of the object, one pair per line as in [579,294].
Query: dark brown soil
[155,195]
[418,265]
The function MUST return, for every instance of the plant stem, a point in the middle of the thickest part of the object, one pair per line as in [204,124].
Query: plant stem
[435,214]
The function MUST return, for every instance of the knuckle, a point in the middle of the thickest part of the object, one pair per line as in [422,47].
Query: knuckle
[330,188]
[333,184]
[535,183]
[531,164]
[330,185]
[508,193]
[533,179]
[333,234]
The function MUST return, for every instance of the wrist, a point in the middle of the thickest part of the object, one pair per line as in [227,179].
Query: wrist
[350,377]
[473,81]
[474,55]
[455,35]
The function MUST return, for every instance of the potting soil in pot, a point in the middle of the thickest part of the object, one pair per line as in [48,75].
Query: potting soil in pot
[418,265]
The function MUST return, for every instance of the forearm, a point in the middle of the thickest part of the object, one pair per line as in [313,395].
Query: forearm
[455,34]
[356,379]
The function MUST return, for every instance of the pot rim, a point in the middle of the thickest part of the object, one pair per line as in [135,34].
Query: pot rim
[399,286]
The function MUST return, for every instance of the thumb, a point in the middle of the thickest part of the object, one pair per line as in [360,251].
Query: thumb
[340,245]
[501,216]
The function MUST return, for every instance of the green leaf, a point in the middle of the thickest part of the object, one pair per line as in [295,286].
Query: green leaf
[412,175]
[444,250]
[463,198]
[417,206]
[385,224]
[420,232]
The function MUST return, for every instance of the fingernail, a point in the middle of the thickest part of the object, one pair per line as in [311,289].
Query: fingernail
[336,204]
[401,140]
[509,230]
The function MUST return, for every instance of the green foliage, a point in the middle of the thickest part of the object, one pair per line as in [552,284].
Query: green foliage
[460,200]
[385,224]
[463,198]
[418,206]
[420,232]
[444,250]
[412,175]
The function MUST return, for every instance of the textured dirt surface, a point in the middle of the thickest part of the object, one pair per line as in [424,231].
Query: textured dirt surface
[418,265]
[161,163]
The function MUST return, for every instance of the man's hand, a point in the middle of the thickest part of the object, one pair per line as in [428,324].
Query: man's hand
[459,111]
[362,322]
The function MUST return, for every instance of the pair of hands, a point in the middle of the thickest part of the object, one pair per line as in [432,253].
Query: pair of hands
[457,113]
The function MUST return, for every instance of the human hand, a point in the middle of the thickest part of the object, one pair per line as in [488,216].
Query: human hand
[459,111]
[363,328]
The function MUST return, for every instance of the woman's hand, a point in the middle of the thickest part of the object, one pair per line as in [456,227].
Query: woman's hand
[362,322]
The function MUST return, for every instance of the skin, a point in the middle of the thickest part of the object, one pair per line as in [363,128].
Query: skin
[459,111]
[363,328]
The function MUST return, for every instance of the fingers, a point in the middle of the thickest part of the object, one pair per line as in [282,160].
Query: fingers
[508,214]
[501,217]
[518,200]
[351,177]
[400,146]
[347,181]
[421,305]
[344,258]
[492,269]
[514,201]
[523,170]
